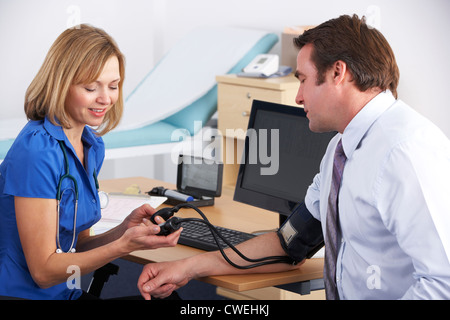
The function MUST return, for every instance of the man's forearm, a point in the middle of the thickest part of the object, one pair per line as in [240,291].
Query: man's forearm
[212,263]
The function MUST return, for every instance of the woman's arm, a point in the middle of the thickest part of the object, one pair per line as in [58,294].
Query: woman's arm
[36,223]
[139,216]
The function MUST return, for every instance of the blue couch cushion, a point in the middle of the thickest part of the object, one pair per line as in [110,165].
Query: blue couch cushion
[159,132]
[4,147]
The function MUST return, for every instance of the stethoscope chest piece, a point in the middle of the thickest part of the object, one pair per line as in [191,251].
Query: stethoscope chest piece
[72,250]
[104,199]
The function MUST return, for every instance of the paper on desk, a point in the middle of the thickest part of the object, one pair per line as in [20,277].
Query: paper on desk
[120,206]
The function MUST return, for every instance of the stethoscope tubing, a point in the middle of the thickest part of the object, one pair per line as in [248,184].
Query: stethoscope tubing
[59,194]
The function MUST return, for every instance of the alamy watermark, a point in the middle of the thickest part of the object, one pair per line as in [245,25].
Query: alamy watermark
[263,146]
[74,280]
[74,18]
[374,279]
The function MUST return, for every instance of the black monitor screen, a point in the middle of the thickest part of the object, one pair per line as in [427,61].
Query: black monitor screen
[281,157]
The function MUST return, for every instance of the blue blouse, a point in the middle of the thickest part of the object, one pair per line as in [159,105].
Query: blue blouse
[33,168]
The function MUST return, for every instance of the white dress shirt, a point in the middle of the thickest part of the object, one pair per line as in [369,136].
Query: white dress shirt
[394,208]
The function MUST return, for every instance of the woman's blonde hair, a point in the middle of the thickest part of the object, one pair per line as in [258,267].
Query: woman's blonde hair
[77,56]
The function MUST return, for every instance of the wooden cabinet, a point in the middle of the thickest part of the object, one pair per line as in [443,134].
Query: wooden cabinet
[235,97]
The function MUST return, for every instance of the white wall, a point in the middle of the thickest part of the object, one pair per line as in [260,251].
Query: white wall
[29,27]
[145,29]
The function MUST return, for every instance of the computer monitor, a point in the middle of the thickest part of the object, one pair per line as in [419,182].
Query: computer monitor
[280,159]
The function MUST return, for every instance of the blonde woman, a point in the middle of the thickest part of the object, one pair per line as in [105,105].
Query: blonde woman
[48,180]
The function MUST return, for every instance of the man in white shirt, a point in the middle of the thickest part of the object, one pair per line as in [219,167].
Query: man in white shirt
[394,222]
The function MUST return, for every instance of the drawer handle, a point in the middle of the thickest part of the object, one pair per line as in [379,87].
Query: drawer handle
[249,95]
[245,114]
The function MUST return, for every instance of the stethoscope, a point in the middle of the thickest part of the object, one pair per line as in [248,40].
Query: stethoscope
[102,196]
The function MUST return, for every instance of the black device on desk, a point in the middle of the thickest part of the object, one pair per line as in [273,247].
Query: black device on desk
[199,180]
[172,224]
[198,233]
[294,151]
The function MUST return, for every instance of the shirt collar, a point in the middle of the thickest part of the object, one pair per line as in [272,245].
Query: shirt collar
[360,124]
[57,132]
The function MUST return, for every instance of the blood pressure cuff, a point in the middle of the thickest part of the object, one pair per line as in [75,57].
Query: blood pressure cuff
[301,234]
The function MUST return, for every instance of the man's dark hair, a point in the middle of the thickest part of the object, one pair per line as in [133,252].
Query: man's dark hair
[365,50]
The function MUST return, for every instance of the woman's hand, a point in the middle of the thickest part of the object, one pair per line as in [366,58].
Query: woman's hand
[140,233]
[144,236]
[137,216]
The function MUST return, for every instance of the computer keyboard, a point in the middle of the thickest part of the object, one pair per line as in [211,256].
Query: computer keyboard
[198,235]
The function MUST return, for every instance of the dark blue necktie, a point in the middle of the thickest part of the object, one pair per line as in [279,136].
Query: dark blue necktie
[332,225]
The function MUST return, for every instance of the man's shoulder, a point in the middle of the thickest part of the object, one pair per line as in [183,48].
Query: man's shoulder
[402,124]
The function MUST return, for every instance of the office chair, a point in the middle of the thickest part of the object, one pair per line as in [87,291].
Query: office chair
[100,277]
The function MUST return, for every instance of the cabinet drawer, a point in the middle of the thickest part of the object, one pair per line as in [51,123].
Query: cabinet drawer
[235,103]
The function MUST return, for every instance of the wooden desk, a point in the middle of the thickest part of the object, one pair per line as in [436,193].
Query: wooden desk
[229,214]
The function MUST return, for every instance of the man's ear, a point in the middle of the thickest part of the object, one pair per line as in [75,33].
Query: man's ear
[339,72]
